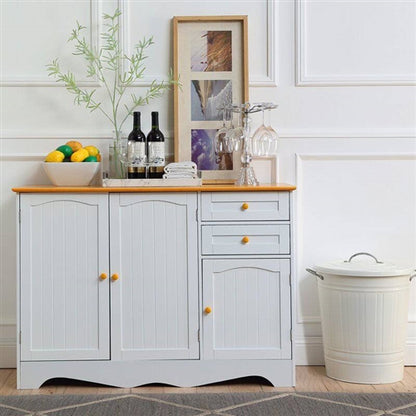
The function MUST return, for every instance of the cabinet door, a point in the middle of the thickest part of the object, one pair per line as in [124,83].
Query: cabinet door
[64,303]
[250,309]
[154,252]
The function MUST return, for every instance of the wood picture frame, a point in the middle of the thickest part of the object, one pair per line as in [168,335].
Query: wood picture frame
[211,62]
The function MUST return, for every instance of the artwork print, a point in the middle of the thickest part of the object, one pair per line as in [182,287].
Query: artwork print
[205,154]
[207,97]
[210,59]
[211,51]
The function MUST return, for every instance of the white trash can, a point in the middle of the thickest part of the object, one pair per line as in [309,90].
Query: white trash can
[364,314]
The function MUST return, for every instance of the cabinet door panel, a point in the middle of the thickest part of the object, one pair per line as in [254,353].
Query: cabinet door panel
[64,304]
[155,301]
[250,302]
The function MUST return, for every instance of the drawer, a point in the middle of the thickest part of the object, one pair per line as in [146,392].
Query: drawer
[241,206]
[245,239]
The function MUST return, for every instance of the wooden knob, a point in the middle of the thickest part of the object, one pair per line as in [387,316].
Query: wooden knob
[114,277]
[207,310]
[244,206]
[245,240]
[103,276]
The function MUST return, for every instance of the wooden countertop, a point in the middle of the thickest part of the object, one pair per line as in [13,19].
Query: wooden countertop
[202,188]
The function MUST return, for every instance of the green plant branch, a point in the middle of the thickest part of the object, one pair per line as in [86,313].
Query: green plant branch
[135,71]
[116,71]
[81,95]
[154,91]
[94,65]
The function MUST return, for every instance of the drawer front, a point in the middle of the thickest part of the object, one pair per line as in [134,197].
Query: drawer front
[245,239]
[241,206]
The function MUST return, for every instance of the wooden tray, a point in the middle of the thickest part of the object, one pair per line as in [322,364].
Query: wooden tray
[152,182]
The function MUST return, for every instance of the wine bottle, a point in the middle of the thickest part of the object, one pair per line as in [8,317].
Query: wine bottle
[136,149]
[156,148]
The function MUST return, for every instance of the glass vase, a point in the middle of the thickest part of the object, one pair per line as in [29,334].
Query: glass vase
[117,153]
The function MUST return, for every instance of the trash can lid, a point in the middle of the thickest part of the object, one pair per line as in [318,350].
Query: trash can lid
[362,268]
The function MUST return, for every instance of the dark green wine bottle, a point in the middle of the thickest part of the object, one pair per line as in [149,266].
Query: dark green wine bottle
[136,149]
[156,149]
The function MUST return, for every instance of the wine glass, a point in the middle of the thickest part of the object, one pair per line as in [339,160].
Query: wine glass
[234,135]
[261,138]
[221,133]
[273,138]
[238,132]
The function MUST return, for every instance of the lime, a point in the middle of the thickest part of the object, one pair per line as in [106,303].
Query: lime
[90,159]
[65,149]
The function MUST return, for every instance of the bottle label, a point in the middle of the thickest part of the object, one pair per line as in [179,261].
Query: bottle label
[157,153]
[130,151]
[136,153]
[139,153]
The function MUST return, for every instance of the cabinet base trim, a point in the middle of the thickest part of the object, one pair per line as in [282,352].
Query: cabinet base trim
[180,373]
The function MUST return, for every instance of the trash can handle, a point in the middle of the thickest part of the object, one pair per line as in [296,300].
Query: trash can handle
[315,273]
[412,276]
[362,254]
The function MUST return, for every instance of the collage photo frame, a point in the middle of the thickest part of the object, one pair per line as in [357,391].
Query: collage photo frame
[211,63]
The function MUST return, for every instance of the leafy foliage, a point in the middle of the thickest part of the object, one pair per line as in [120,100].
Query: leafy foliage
[115,70]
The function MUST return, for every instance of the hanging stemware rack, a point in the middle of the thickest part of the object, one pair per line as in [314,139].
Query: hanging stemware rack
[262,144]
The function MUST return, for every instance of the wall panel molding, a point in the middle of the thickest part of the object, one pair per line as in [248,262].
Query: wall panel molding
[22,157]
[305,78]
[272,76]
[7,353]
[309,319]
[50,135]
[309,351]
[45,81]
[302,319]
[268,80]
[323,133]
[126,45]
[7,343]
[376,133]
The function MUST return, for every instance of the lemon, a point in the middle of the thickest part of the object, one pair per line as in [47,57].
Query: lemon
[98,157]
[90,159]
[55,156]
[79,155]
[92,150]
[74,145]
[65,149]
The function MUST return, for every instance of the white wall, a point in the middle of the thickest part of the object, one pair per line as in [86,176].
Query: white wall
[343,74]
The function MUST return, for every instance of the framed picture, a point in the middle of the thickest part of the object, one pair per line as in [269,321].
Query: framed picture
[211,62]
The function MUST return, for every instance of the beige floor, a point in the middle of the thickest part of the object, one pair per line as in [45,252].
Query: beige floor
[308,378]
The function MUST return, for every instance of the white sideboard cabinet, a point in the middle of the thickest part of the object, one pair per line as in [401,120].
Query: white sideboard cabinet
[126,287]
